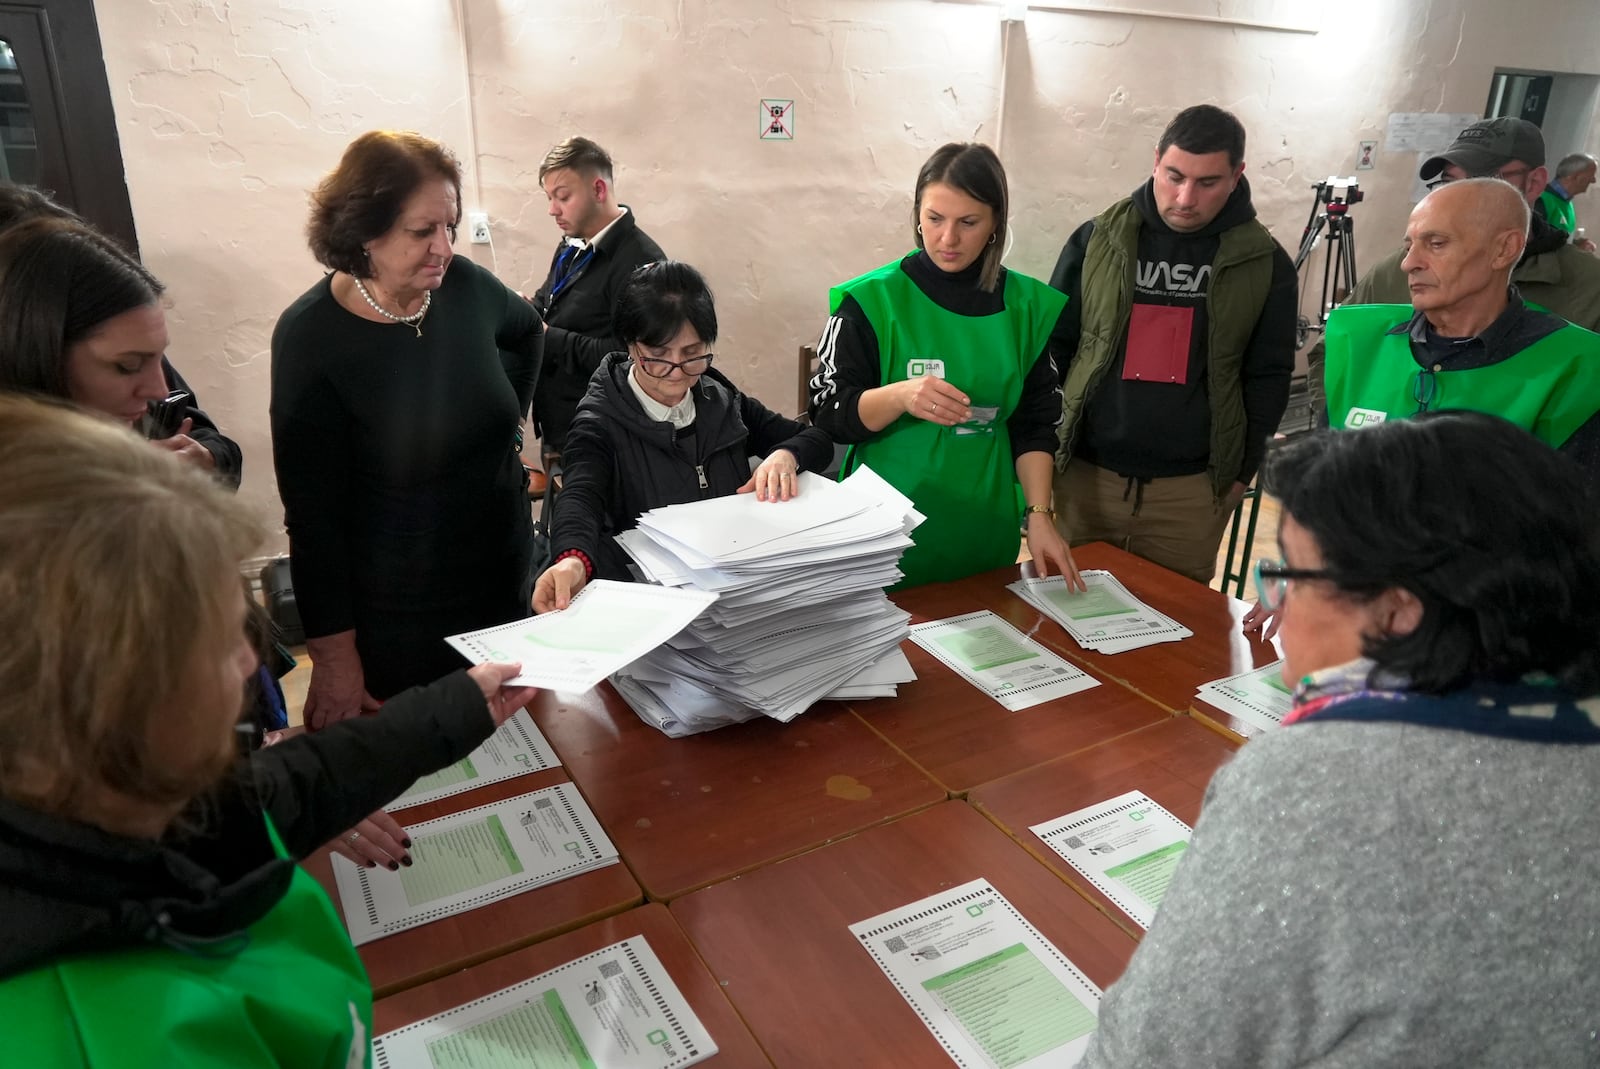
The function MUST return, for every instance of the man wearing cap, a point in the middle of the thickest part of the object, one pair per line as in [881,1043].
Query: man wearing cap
[1552,274]
[1466,340]
[1574,175]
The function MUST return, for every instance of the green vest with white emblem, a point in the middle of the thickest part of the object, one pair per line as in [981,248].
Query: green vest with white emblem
[963,479]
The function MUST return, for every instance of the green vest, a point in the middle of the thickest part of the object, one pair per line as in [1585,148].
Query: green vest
[1241,277]
[1550,389]
[293,994]
[963,479]
[1558,211]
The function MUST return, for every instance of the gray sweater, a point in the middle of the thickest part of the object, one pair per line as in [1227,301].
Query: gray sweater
[1376,895]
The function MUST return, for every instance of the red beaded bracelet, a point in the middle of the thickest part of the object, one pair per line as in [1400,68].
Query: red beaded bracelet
[588,565]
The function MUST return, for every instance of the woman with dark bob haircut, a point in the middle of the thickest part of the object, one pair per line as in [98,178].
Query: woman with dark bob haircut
[660,426]
[1404,874]
[398,384]
[937,369]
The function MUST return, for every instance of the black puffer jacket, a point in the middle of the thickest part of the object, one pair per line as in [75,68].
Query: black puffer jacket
[619,462]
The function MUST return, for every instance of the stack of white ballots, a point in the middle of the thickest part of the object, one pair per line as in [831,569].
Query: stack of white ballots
[1106,617]
[800,614]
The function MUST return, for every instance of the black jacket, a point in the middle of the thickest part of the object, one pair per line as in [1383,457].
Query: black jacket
[67,887]
[579,334]
[620,463]
[1157,430]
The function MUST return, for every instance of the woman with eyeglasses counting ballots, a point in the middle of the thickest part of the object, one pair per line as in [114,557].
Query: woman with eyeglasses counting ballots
[936,369]
[151,911]
[1403,874]
[660,426]
[399,382]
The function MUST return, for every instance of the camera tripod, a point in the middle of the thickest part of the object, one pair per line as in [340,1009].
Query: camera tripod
[1330,211]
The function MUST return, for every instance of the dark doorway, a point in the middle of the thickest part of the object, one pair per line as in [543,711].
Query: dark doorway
[57,127]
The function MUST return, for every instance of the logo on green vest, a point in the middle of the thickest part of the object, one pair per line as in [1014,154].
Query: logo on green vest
[915,369]
[1363,417]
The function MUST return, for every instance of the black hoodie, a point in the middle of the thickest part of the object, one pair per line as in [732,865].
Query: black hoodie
[619,463]
[1151,430]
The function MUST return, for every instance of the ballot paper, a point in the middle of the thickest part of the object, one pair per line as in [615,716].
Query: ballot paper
[1106,617]
[516,748]
[1127,846]
[607,625]
[999,660]
[800,614]
[614,1009]
[991,989]
[1260,698]
[472,858]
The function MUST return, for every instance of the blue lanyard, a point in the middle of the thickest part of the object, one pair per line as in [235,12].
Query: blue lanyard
[569,267]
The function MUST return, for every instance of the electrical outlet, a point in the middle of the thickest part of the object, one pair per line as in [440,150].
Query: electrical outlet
[478,227]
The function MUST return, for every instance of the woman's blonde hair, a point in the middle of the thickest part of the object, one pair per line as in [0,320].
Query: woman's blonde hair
[113,560]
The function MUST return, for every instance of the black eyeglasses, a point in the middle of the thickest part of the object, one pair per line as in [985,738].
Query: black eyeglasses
[1272,580]
[1422,388]
[1512,175]
[657,368]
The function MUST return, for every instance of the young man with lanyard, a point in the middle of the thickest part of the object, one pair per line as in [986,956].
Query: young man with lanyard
[1177,348]
[1467,340]
[601,246]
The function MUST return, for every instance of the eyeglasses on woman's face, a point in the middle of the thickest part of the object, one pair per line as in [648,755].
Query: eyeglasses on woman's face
[1272,580]
[653,362]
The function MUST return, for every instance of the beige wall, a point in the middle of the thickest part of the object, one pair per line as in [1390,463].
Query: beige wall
[228,113]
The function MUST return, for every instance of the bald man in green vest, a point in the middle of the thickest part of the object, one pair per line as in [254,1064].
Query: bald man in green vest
[1467,340]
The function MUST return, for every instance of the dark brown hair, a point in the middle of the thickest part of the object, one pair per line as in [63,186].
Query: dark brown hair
[360,199]
[580,155]
[59,281]
[975,170]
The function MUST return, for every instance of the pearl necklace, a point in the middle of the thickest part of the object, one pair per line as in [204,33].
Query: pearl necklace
[414,320]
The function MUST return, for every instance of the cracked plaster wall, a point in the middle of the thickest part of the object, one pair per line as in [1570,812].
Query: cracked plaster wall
[228,112]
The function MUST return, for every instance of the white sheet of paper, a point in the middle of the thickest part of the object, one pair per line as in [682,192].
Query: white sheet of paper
[607,625]
[472,858]
[1106,618]
[614,1009]
[516,748]
[990,988]
[1127,846]
[999,660]
[1258,697]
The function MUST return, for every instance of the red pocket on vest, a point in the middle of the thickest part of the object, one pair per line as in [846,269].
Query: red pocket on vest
[1158,343]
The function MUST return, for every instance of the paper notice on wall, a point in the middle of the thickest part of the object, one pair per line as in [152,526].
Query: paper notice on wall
[991,989]
[1424,131]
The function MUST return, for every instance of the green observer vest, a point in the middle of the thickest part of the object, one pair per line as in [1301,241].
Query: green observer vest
[963,479]
[1550,389]
[1241,277]
[1558,211]
[294,995]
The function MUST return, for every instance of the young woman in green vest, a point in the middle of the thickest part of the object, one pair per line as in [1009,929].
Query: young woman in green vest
[936,370]
[151,912]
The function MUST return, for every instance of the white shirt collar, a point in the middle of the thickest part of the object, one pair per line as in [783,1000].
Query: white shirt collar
[679,415]
[580,243]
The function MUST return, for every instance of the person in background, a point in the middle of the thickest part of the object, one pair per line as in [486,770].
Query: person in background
[936,370]
[1574,175]
[601,246]
[1395,877]
[1553,275]
[1176,351]
[660,426]
[151,912]
[398,384]
[76,366]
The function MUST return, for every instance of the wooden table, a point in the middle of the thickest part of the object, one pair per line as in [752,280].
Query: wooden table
[779,939]
[963,737]
[408,958]
[736,1048]
[1168,673]
[687,812]
[1172,763]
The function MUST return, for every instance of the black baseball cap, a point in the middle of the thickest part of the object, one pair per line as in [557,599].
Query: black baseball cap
[1485,147]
